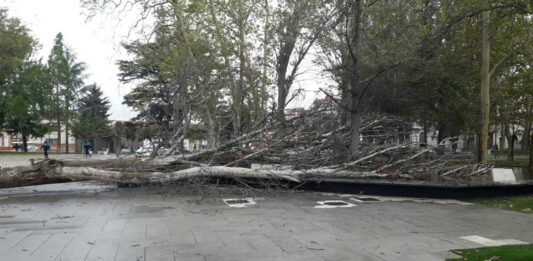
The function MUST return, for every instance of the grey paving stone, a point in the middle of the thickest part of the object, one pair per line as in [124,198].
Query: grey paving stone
[53,246]
[30,244]
[152,223]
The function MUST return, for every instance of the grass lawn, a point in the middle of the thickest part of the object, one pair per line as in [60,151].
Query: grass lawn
[520,162]
[500,253]
[499,159]
[518,203]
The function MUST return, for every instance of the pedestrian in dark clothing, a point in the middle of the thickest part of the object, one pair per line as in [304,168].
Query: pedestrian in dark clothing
[45,148]
[87,146]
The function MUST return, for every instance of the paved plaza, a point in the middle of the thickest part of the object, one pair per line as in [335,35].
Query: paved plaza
[22,159]
[91,221]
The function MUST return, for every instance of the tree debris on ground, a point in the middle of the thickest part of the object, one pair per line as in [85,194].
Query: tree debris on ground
[314,148]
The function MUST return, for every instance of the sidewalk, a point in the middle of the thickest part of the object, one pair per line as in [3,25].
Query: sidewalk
[90,221]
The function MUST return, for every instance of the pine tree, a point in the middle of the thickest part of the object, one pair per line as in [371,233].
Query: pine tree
[92,114]
[68,76]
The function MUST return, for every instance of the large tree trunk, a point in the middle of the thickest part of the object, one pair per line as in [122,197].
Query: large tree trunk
[240,94]
[58,136]
[24,142]
[526,137]
[66,136]
[282,98]
[510,143]
[354,80]
[52,170]
[210,127]
[530,165]
[485,87]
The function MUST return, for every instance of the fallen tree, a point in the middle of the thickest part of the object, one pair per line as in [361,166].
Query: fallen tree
[314,149]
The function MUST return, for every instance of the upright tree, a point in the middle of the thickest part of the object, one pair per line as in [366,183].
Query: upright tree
[92,114]
[16,47]
[58,65]
[29,103]
[67,77]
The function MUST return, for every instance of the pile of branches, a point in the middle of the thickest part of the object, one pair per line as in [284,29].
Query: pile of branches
[311,146]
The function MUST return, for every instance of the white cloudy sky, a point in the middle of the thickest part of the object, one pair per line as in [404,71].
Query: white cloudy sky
[97,43]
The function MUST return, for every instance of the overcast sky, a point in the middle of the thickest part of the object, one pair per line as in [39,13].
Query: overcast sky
[97,43]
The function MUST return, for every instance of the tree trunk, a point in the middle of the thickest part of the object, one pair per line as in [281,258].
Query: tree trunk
[66,136]
[355,135]
[485,87]
[510,143]
[210,127]
[24,142]
[425,129]
[526,137]
[58,143]
[239,98]
[62,170]
[282,99]
[344,116]
[441,134]
[530,165]
[354,80]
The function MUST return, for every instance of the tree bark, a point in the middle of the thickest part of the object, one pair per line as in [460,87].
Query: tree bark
[530,164]
[526,137]
[67,116]
[24,142]
[485,88]
[66,137]
[58,144]
[355,42]
[210,127]
[59,171]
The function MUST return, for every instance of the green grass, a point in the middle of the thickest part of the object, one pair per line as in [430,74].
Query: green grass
[521,159]
[517,203]
[514,163]
[500,253]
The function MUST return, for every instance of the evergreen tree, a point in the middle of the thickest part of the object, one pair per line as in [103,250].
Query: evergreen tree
[67,77]
[92,114]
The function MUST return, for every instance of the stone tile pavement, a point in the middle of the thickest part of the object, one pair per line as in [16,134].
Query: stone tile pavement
[162,223]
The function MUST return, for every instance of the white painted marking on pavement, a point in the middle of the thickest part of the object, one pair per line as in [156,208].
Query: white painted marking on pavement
[490,242]
[323,204]
[251,202]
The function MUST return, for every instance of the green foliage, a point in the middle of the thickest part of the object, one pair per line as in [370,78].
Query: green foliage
[500,253]
[92,114]
[67,77]
[517,203]
[211,61]
[16,47]
[28,102]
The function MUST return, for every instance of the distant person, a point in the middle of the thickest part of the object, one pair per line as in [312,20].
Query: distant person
[87,146]
[45,148]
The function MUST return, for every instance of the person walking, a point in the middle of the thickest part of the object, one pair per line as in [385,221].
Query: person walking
[87,146]
[45,148]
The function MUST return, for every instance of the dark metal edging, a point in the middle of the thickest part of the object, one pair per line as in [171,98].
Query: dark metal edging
[418,189]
